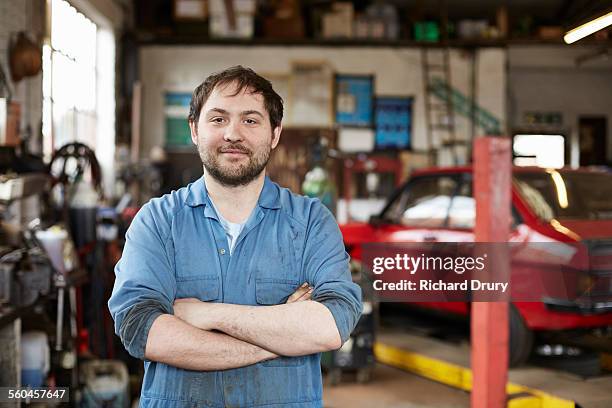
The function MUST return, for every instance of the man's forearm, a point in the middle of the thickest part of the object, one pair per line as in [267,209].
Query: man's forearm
[172,341]
[291,329]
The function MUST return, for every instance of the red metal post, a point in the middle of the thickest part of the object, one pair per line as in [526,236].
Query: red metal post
[489,321]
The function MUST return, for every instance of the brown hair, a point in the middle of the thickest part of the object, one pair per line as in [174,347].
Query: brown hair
[244,78]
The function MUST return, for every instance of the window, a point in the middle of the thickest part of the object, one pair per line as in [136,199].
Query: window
[462,212]
[78,86]
[567,194]
[425,202]
[438,201]
[539,150]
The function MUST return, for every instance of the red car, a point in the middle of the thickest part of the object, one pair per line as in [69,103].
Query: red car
[548,205]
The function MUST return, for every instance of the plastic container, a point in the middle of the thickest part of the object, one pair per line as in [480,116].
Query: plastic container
[34,358]
[105,384]
[54,241]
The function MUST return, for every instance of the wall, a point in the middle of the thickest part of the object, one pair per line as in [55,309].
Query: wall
[107,13]
[397,70]
[18,16]
[546,78]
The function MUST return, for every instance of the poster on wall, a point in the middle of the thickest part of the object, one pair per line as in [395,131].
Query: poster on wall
[354,100]
[176,109]
[280,84]
[393,118]
[310,99]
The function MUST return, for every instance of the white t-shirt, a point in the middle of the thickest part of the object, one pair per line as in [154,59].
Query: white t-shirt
[232,229]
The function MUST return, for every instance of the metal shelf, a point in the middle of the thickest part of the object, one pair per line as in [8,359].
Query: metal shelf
[11,313]
[147,38]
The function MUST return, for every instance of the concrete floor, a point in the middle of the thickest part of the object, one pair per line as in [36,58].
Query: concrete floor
[409,330]
[589,393]
[393,388]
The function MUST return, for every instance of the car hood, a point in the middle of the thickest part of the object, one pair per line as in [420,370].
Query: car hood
[357,233]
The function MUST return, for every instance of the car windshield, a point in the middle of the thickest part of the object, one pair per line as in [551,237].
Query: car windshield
[434,201]
[566,194]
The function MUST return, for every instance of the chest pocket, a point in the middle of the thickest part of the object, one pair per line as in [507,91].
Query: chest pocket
[280,258]
[272,291]
[205,287]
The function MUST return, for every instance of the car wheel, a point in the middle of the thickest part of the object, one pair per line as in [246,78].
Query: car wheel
[521,339]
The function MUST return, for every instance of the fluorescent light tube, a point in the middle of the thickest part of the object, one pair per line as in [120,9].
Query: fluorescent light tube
[588,28]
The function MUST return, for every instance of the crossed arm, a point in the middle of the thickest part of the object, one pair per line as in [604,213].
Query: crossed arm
[210,336]
[175,342]
[216,336]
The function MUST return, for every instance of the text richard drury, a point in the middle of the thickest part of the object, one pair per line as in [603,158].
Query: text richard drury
[440,286]
[410,265]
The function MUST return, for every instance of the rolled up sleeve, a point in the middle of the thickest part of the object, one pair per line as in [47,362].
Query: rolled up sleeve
[327,265]
[145,284]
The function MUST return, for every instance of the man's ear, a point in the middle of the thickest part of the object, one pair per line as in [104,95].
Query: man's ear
[276,135]
[193,127]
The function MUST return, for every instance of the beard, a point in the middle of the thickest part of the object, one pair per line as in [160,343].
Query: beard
[234,174]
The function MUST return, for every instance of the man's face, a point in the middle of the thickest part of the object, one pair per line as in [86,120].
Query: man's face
[234,135]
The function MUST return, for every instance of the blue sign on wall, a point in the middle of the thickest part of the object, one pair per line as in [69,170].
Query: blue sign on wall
[393,116]
[354,100]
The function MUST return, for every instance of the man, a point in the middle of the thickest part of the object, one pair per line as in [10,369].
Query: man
[213,287]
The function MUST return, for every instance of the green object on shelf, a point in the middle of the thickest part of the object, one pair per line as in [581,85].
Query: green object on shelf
[426,31]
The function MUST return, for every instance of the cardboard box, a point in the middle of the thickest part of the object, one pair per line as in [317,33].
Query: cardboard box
[339,22]
[344,8]
[217,7]
[12,126]
[550,32]
[283,27]
[219,26]
[337,26]
[10,115]
[190,10]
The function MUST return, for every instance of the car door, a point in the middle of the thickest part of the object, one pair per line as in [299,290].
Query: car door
[420,214]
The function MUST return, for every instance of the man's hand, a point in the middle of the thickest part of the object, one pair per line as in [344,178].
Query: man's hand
[190,310]
[186,309]
[302,293]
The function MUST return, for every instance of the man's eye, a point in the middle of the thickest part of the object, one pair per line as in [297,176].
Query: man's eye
[217,120]
[250,121]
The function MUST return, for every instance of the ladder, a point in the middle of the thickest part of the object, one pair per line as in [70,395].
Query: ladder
[439,112]
[465,106]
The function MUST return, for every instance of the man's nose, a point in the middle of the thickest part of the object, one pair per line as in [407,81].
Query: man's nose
[232,133]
